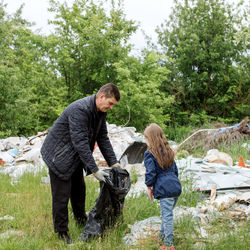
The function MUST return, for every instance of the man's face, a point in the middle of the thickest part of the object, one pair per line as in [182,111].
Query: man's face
[104,104]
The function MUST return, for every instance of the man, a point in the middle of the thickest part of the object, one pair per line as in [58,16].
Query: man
[67,150]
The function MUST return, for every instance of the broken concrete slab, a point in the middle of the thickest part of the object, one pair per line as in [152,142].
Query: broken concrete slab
[206,175]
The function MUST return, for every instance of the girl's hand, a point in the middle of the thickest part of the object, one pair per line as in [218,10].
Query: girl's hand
[150,193]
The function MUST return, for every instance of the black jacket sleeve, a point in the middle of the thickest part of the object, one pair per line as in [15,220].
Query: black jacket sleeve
[105,145]
[78,126]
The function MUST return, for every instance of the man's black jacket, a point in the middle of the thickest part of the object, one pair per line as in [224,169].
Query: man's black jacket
[71,139]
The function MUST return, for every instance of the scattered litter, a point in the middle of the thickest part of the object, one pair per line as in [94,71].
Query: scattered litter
[214,156]
[2,162]
[241,162]
[11,233]
[6,157]
[224,202]
[142,229]
[244,198]
[202,215]
[7,217]
[228,184]
[206,175]
[45,180]
[129,146]
[246,146]
[211,138]
[13,152]
[32,156]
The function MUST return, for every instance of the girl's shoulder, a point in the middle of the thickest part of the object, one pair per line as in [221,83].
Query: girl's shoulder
[147,153]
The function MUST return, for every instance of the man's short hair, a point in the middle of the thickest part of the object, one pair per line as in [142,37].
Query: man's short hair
[110,90]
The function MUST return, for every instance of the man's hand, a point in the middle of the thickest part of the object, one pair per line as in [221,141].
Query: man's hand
[100,175]
[116,165]
[150,193]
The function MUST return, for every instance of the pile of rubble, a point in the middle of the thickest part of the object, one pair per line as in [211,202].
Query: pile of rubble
[231,205]
[216,171]
[20,154]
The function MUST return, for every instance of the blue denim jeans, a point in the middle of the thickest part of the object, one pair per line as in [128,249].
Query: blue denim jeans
[166,232]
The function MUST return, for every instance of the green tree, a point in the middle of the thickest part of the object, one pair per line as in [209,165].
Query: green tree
[207,75]
[25,78]
[142,102]
[87,43]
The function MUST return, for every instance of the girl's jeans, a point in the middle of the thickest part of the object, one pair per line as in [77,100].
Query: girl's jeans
[166,231]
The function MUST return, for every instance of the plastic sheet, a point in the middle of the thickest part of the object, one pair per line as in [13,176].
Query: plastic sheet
[109,204]
[135,152]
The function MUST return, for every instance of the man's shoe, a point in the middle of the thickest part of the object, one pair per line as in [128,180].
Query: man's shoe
[65,237]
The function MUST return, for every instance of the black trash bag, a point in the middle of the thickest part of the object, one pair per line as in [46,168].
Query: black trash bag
[109,204]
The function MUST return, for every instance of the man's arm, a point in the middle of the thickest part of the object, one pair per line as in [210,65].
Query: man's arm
[78,126]
[105,145]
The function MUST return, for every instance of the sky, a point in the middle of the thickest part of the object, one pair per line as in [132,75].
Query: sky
[149,13]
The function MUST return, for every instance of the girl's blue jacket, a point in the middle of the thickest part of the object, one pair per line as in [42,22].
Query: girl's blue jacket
[165,181]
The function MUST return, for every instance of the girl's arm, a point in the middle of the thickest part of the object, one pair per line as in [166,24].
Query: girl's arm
[176,169]
[150,193]
[150,176]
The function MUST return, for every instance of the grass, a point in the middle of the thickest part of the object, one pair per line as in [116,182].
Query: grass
[133,175]
[29,202]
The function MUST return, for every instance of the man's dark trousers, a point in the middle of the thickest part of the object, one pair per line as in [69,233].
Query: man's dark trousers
[62,191]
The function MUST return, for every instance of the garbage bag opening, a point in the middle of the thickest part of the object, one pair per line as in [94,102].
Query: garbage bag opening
[109,204]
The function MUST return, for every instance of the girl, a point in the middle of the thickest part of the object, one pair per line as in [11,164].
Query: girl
[161,179]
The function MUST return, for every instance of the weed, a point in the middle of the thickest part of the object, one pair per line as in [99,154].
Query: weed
[133,175]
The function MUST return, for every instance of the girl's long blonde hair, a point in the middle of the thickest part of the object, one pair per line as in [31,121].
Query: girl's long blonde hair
[158,145]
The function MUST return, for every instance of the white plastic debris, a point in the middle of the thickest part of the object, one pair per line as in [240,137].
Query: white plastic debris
[224,202]
[246,146]
[205,175]
[244,198]
[5,156]
[138,188]
[215,156]
[33,156]
[7,217]
[12,142]
[142,229]
[10,233]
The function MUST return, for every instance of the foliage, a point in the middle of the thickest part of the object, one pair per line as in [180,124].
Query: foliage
[24,78]
[199,75]
[208,74]
[41,75]
[141,102]
[29,202]
[87,43]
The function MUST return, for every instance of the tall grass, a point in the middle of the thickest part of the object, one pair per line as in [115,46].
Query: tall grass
[29,202]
